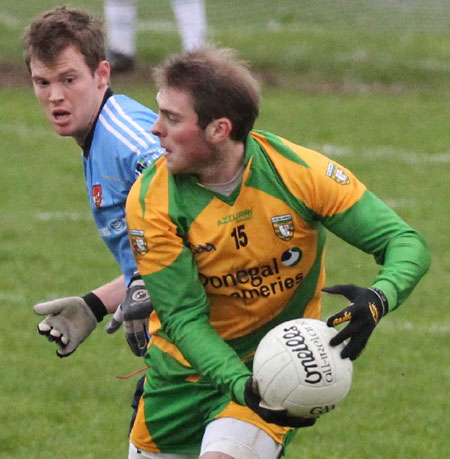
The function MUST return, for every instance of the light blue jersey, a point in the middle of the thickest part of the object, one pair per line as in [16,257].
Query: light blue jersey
[118,149]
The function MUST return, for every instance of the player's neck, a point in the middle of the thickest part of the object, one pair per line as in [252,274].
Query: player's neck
[227,165]
[226,188]
[82,136]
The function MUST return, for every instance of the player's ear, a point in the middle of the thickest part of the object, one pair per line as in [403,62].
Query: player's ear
[103,73]
[219,130]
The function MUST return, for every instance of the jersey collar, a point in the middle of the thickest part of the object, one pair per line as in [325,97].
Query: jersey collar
[88,142]
[251,148]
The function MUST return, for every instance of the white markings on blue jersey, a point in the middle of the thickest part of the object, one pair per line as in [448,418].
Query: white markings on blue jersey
[133,123]
[118,135]
[125,128]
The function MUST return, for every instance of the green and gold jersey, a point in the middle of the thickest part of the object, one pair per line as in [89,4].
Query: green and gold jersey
[222,271]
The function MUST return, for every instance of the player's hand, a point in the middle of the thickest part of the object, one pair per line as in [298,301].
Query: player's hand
[116,322]
[367,306]
[271,415]
[134,312]
[69,320]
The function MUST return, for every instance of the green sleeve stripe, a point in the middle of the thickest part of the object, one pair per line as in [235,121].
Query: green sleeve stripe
[376,229]
[183,311]
[265,182]
[187,200]
[407,259]
[146,179]
[281,148]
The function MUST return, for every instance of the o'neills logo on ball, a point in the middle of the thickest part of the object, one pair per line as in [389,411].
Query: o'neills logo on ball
[321,354]
[296,342]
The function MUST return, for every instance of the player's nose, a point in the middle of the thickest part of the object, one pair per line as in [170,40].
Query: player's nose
[157,128]
[56,93]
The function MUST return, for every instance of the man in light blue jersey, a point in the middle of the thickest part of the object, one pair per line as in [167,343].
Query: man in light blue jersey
[65,55]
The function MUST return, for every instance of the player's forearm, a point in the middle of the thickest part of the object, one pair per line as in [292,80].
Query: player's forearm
[374,228]
[400,250]
[406,260]
[211,356]
[184,316]
[112,294]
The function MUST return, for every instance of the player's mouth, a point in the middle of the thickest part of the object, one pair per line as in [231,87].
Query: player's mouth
[60,116]
[167,151]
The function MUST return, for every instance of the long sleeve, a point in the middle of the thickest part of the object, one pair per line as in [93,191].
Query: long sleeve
[376,229]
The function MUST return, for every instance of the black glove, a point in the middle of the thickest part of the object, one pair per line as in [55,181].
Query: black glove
[367,307]
[273,416]
[134,312]
[69,320]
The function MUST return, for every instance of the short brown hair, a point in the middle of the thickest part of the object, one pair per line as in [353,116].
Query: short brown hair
[220,86]
[52,32]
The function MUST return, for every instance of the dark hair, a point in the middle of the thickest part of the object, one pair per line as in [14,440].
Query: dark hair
[220,85]
[52,32]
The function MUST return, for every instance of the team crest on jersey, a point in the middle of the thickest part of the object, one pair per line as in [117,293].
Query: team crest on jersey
[138,242]
[337,174]
[97,195]
[283,226]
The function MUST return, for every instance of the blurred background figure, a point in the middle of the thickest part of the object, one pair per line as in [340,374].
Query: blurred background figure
[121,27]
[190,16]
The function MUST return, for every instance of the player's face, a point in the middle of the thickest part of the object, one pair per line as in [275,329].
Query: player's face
[187,150]
[68,92]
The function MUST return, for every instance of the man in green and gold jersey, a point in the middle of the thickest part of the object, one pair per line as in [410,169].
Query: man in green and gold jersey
[228,231]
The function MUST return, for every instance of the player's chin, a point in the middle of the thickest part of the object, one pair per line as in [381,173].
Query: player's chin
[63,130]
[174,167]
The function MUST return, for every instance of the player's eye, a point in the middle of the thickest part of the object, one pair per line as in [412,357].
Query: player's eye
[41,83]
[169,117]
[172,118]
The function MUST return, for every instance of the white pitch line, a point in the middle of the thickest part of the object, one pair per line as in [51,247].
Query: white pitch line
[157,26]
[12,297]
[22,130]
[438,329]
[333,151]
[61,216]
[400,203]
[9,21]
[15,297]
[410,157]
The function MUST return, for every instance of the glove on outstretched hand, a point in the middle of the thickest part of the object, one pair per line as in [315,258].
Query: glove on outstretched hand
[134,312]
[69,320]
[273,416]
[367,307]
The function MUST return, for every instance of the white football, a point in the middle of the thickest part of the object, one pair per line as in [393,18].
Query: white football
[297,369]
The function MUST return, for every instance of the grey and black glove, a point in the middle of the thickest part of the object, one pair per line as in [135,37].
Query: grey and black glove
[271,415]
[367,306]
[70,320]
[134,312]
